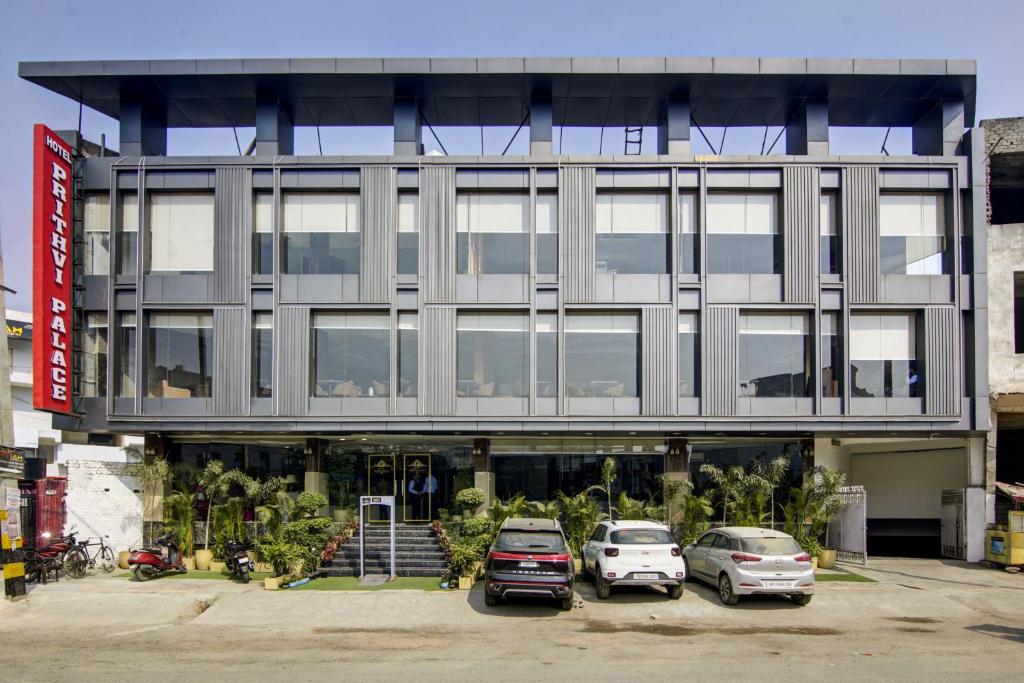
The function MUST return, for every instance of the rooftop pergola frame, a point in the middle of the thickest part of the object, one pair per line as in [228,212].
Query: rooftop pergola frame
[805,96]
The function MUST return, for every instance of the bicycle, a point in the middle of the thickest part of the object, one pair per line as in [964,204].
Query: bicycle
[78,560]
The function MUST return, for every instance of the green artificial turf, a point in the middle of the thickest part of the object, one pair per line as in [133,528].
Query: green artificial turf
[848,577]
[351,583]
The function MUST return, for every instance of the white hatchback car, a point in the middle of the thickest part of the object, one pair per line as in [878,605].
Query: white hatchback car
[633,553]
[748,561]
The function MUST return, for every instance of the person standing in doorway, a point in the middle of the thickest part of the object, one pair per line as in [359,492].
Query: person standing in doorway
[429,496]
[414,497]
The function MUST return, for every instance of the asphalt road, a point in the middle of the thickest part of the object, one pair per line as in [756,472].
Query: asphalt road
[921,621]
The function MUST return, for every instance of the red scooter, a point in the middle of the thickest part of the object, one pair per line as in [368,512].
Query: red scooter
[152,562]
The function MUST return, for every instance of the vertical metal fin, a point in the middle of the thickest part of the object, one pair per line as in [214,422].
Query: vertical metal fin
[437,220]
[437,360]
[659,376]
[860,220]
[232,230]
[942,361]
[378,209]
[231,341]
[721,347]
[800,232]
[291,360]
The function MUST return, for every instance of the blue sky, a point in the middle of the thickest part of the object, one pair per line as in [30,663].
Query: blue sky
[987,30]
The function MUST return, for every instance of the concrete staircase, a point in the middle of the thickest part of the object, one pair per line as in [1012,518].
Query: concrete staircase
[417,553]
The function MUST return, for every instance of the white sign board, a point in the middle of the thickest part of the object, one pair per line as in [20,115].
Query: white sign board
[13,506]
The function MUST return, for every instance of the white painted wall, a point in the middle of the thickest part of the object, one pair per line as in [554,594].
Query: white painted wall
[908,484]
[103,500]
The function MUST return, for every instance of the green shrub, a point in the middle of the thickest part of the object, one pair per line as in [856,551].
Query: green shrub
[464,554]
[475,527]
[309,502]
[309,535]
[470,499]
[277,552]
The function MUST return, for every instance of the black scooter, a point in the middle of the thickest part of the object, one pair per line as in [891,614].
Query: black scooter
[236,558]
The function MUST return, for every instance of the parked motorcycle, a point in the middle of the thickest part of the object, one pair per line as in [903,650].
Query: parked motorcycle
[151,562]
[236,558]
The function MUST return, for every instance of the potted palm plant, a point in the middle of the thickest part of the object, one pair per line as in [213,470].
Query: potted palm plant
[582,513]
[180,518]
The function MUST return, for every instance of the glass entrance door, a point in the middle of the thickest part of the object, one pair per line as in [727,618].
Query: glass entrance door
[381,480]
[419,487]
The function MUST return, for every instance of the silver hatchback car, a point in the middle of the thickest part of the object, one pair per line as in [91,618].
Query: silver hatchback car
[749,561]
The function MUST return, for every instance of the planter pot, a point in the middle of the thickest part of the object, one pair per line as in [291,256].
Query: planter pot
[465,583]
[349,533]
[122,559]
[203,559]
[468,515]
[827,558]
[218,567]
[296,568]
[264,568]
[814,563]
[579,566]
[273,583]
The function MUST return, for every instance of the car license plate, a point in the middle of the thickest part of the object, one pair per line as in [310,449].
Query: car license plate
[643,577]
[778,584]
[528,564]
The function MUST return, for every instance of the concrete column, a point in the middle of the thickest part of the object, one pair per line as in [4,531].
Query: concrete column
[483,476]
[674,126]
[408,127]
[156,447]
[143,128]
[939,131]
[541,125]
[275,131]
[807,130]
[677,468]
[980,503]
[316,479]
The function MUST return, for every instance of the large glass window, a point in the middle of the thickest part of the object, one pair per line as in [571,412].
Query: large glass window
[94,355]
[493,350]
[263,355]
[689,355]
[831,371]
[126,357]
[743,233]
[602,354]
[883,356]
[828,227]
[321,233]
[546,328]
[547,233]
[128,233]
[689,234]
[408,353]
[408,233]
[774,355]
[96,224]
[351,354]
[180,232]
[180,355]
[913,233]
[632,233]
[263,233]
[493,234]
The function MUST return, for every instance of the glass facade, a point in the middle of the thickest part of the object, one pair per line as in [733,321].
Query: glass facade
[689,355]
[94,355]
[828,226]
[546,329]
[321,233]
[128,233]
[547,233]
[181,226]
[774,355]
[351,355]
[743,233]
[492,233]
[632,233]
[260,460]
[492,354]
[689,234]
[408,354]
[263,233]
[126,357]
[96,225]
[180,354]
[913,234]
[883,356]
[263,355]
[602,355]
[831,370]
[408,233]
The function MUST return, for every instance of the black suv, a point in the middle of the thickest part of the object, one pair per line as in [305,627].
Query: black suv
[530,557]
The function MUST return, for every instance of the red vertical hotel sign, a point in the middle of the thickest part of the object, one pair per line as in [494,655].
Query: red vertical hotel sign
[51,267]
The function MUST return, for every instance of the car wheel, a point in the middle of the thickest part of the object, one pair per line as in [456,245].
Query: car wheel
[725,591]
[802,599]
[585,573]
[686,571]
[490,600]
[675,592]
[604,589]
[565,604]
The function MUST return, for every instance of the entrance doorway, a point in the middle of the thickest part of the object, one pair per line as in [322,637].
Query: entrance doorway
[408,477]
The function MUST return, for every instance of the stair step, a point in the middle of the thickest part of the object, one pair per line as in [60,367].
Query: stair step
[339,571]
